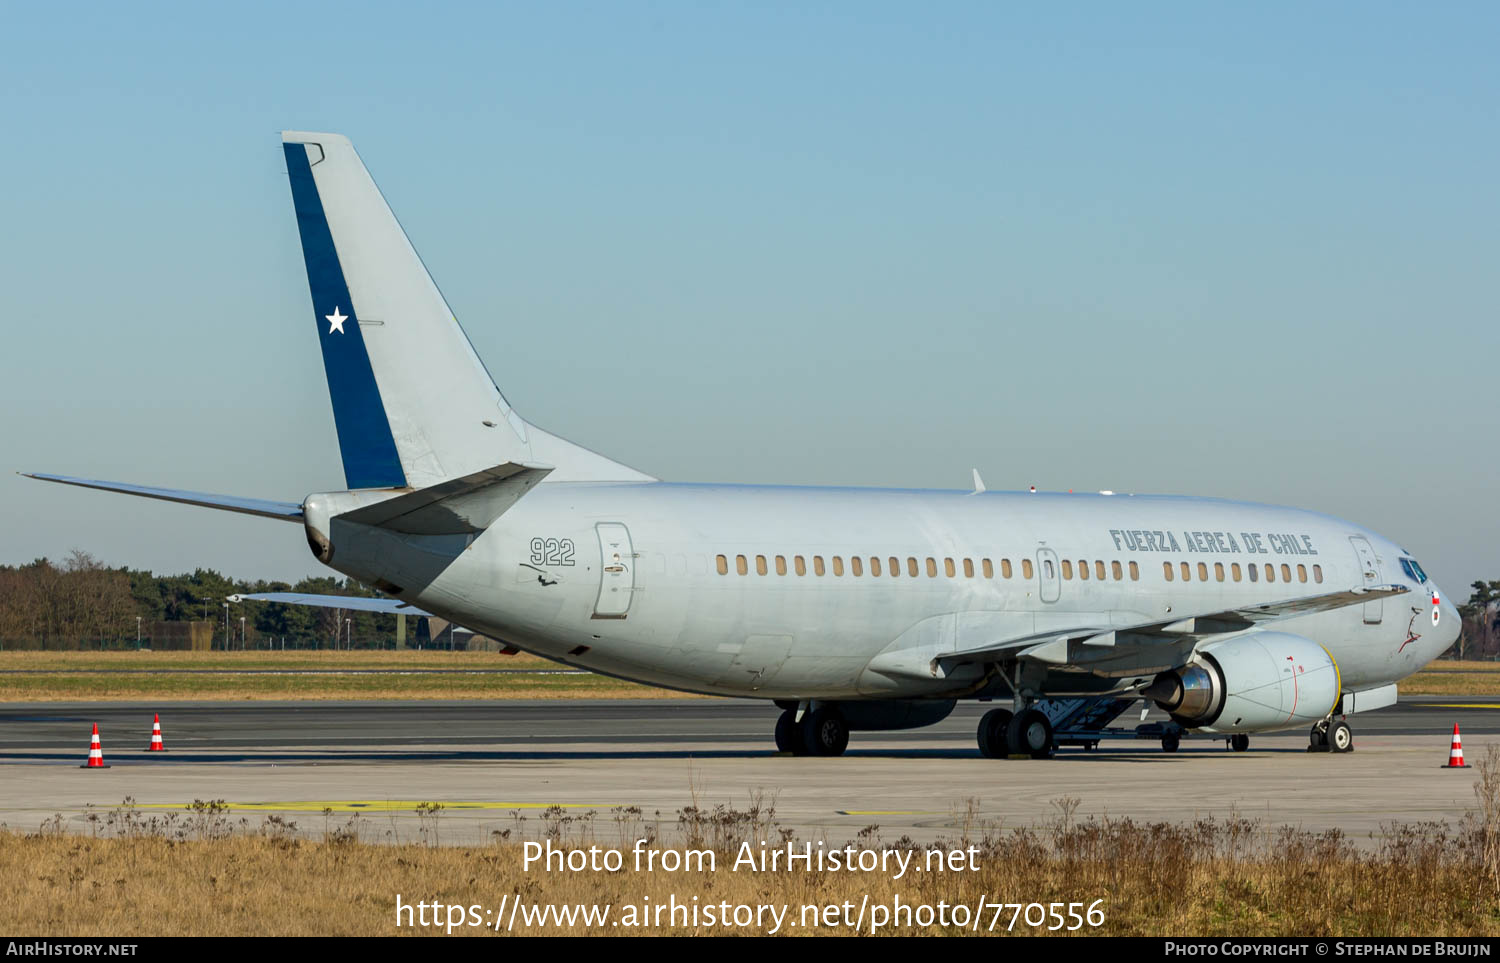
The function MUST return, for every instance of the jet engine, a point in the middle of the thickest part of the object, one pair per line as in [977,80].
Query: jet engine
[1253,683]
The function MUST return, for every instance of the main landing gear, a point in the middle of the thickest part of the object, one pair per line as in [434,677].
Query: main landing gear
[1330,735]
[1026,733]
[820,732]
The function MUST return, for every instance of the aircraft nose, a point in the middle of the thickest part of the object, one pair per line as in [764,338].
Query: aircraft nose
[1450,623]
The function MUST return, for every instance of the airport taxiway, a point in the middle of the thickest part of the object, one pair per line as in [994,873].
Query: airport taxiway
[492,763]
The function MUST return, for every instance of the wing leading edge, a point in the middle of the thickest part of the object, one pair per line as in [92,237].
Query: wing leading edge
[1156,645]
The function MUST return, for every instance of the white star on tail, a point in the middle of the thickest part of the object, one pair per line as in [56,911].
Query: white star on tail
[336,321]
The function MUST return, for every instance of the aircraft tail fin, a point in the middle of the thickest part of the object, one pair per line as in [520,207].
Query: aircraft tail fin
[413,404]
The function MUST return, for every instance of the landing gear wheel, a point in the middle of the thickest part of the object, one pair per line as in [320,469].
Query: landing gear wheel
[991,734]
[1029,734]
[1239,743]
[1340,737]
[1169,743]
[789,734]
[1317,739]
[825,733]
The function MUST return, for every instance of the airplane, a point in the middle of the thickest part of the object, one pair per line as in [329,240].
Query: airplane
[850,609]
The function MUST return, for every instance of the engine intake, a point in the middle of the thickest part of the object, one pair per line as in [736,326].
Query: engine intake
[1254,683]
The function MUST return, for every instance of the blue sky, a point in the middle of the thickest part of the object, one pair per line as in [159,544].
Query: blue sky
[1169,248]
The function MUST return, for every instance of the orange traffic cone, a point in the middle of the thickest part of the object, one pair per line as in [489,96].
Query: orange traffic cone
[96,755]
[156,745]
[1456,754]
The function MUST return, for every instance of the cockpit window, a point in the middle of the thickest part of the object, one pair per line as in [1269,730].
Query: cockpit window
[1410,566]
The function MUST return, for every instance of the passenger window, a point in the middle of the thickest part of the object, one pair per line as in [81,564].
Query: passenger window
[1005,568]
[838,565]
[760,565]
[1026,568]
[1187,572]
[1254,571]
[817,565]
[1318,574]
[911,566]
[856,566]
[1270,572]
[1047,567]
[799,565]
[948,568]
[1083,569]
[874,565]
[739,564]
[1114,569]
[1302,573]
[1234,571]
[1203,571]
[1286,573]
[1166,571]
[1218,571]
[1135,572]
[931,567]
[895,566]
[723,564]
[1067,569]
[1099,569]
[781,565]
[968,568]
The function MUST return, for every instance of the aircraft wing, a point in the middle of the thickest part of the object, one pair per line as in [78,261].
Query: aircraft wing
[285,511]
[353,602]
[1158,645]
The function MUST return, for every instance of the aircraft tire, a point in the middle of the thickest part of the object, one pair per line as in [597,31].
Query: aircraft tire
[824,733]
[1030,734]
[789,734]
[1317,739]
[992,726]
[1239,743]
[1170,742]
[1340,737]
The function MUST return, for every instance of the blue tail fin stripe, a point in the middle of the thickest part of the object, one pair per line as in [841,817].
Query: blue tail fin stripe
[365,441]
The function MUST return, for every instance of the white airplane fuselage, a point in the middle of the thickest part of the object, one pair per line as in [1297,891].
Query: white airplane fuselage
[674,609]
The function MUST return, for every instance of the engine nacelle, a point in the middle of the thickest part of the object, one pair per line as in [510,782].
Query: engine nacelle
[1254,683]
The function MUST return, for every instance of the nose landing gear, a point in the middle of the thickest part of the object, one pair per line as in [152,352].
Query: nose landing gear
[1330,735]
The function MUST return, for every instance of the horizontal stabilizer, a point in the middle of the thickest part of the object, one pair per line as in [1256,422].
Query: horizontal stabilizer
[285,511]
[352,602]
[459,506]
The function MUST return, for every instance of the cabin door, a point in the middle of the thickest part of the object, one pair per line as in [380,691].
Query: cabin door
[1369,568]
[617,571]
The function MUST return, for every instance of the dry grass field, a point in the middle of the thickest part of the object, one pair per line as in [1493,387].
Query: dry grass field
[204,872]
[1455,678]
[29,676]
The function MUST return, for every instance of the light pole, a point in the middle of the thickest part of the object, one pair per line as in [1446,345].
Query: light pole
[138,633]
[349,634]
[226,626]
[242,633]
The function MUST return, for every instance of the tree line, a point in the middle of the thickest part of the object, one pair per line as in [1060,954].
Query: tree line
[83,603]
[1481,614]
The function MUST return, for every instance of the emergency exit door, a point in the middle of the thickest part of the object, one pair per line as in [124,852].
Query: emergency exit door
[616,571]
[1049,583]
